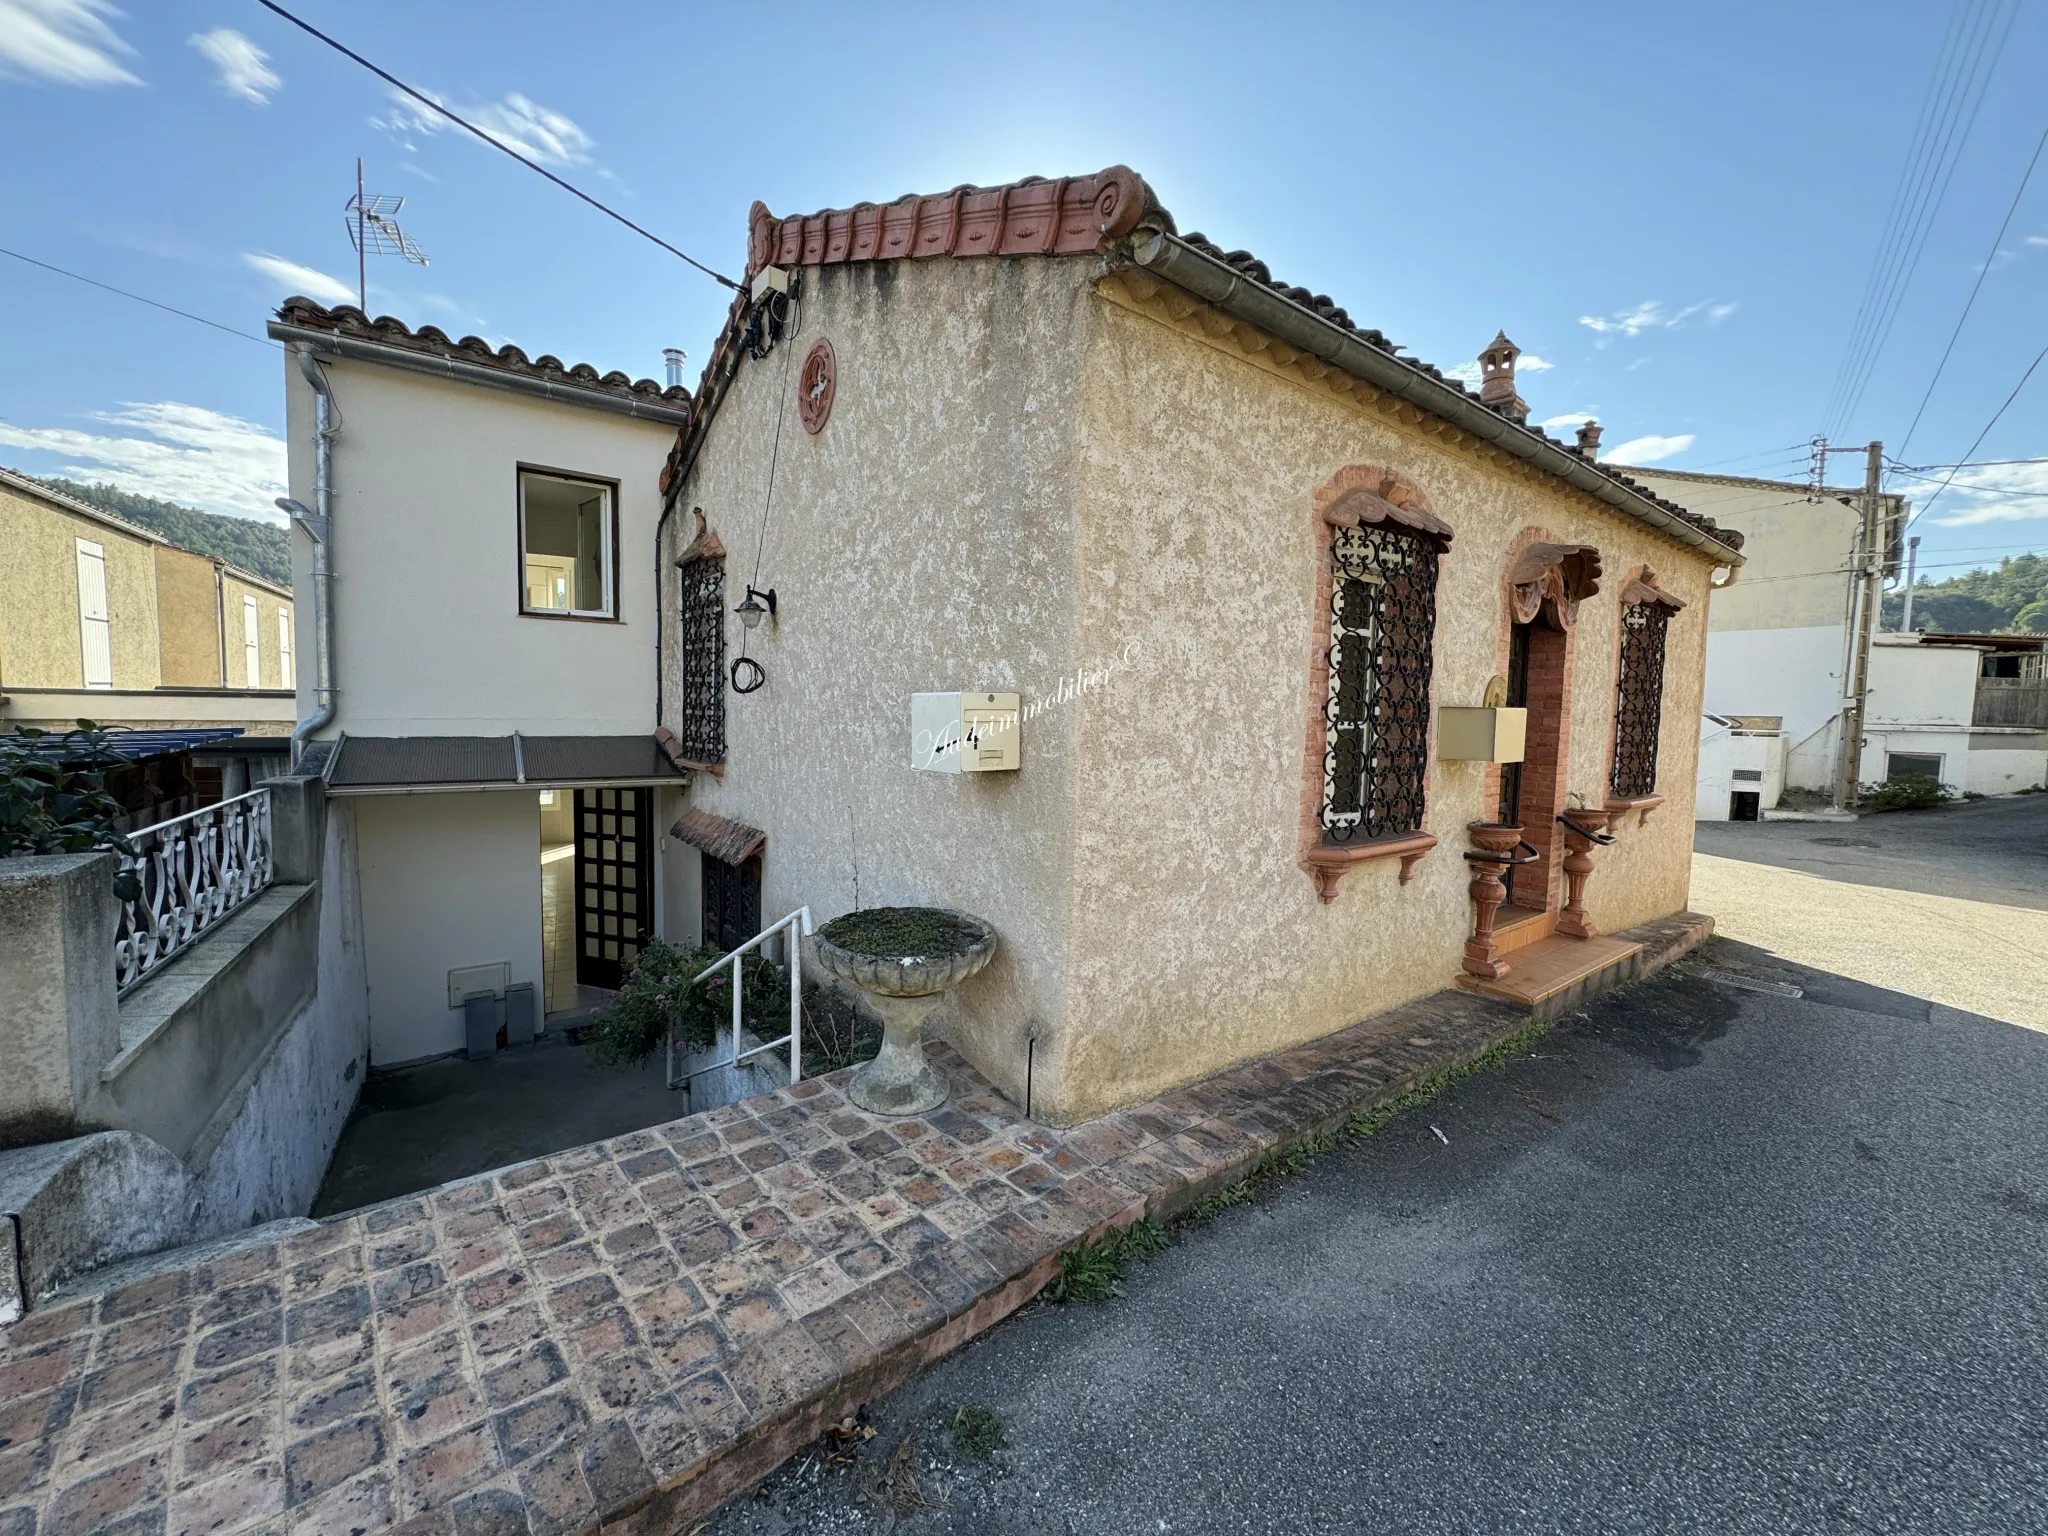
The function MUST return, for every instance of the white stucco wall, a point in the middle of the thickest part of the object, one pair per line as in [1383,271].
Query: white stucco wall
[1913,684]
[447,880]
[1724,750]
[428,636]
[1794,673]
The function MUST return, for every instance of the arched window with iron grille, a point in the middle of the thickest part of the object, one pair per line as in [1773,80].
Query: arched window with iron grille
[1376,720]
[700,717]
[1639,698]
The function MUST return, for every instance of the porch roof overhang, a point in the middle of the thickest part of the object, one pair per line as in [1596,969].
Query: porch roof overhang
[1266,308]
[404,765]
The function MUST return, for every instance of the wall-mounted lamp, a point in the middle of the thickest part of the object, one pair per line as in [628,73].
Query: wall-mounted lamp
[758,605]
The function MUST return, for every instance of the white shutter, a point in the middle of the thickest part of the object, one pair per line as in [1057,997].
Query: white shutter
[252,647]
[95,629]
[286,677]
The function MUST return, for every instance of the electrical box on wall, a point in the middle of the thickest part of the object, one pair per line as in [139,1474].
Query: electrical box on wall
[1481,734]
[966,732]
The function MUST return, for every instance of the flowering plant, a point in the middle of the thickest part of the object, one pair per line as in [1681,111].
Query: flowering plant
[661,994]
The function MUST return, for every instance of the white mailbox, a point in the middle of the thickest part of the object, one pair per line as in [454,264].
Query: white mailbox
[966,732]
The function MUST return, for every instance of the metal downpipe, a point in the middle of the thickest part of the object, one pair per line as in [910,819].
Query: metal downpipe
[319,528]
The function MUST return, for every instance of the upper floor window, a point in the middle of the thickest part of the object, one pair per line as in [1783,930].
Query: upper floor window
[568,544]
[1376,721]
[1639,701]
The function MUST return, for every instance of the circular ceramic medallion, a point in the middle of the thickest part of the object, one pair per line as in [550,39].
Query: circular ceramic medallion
[816,385]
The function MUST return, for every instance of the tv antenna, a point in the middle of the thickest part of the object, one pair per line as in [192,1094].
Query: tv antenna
[373,228]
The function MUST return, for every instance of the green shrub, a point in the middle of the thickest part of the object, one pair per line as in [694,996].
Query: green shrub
[661,996]
[49,807]
[1906,792]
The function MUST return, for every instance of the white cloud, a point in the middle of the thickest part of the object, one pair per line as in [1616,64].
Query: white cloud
[537,132]
[2037,239]
[293,278]
[1648,450]
[180,452]
[1466,374]
[64,41]
[1650,315]
[1529,362]
[244,68]
[1570,419]
[1987,495]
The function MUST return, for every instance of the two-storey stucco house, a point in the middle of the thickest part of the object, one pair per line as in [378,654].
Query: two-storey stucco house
[474,531]
[1237,556]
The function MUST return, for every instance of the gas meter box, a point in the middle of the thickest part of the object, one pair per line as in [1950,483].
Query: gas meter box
[966,732]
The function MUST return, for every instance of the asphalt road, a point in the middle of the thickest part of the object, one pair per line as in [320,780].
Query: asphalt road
[1708,1260]
[1981,850]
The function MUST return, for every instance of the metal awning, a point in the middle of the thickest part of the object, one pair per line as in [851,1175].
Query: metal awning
[397,765]
[141,746]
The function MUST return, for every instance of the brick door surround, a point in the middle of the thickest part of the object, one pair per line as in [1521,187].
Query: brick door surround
[1546,594]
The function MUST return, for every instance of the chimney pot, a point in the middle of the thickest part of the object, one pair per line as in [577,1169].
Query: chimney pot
[1497,378]
[674,358]
[1589,440]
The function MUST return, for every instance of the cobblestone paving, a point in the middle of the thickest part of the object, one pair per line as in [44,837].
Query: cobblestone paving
[624,1334]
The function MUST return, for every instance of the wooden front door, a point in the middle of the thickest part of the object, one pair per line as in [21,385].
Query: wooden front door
[614,882]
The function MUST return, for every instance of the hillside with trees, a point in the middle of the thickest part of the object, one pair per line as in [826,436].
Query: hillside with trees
[2012,595]
[257,547]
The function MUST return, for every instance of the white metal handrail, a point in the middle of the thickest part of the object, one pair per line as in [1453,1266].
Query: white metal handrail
[798,925]
[194,870]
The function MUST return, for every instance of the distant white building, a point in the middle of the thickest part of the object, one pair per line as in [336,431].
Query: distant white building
[1966,709]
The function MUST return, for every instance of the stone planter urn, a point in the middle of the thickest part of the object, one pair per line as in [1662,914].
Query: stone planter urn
[905,960]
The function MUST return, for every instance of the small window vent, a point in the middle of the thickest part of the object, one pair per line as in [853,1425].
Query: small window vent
[1750,775]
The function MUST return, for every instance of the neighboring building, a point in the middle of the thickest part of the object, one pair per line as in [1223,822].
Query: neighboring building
[1742,767]
[1969,710]
[1779,645]
[492,663]
[1778,638]
[102,620]
[1235,553]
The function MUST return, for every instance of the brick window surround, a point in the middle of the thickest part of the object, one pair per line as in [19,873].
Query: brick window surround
[700,637]
[1634,730]
[1543,581]
[1362,495]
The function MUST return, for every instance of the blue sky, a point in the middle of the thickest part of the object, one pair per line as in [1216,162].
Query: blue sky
[1675,209]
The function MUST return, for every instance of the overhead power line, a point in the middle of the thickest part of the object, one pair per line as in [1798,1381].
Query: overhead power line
[183,314]
[2038,358]
[496,143]
[1982,273]
[1969,57]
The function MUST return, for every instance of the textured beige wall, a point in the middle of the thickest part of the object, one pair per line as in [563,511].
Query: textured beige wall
[1197,938]
[188,619]
[234,592]
[39,635]
[922,542]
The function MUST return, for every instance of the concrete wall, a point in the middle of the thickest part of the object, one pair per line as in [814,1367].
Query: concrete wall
[1914,684]
[923,541]
[1795,552]
[1023,483]
[188,619]
[58,1024]
[39,634]
[446,880]
[428,635]
[1724,750]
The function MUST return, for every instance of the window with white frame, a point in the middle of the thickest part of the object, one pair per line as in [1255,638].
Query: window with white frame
[252,644]
[286,677]
[567,546]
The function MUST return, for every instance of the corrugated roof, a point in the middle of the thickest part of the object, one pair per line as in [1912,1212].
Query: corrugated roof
[366,763]
[140,746]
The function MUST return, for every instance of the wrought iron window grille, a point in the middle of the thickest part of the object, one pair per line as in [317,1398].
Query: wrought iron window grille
[1376,719]
[1639,699]
[700,722]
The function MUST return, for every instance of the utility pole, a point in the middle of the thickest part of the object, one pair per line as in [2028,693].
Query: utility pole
[1868,583]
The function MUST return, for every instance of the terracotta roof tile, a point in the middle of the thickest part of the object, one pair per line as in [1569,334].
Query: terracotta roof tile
[347,320]
[1074,215]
